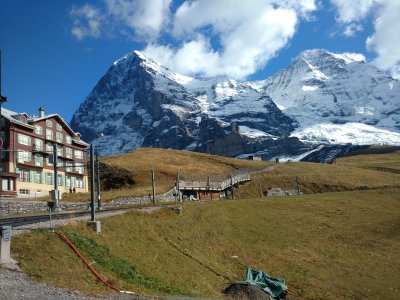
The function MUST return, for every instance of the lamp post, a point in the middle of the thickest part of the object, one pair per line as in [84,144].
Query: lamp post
[98,135]
[98,180]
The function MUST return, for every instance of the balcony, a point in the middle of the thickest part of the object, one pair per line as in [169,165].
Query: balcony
[41,150]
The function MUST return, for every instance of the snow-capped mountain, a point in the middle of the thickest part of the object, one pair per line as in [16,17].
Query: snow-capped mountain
[141,103]
[322,98]
[337,98]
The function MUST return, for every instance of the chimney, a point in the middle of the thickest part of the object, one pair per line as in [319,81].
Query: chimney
[41,112]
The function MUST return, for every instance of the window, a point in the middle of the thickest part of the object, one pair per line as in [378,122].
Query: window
[68,166]
[4,184]
[3,136]
[67,181]
[3,154]
[60,163]
[38,160]
[79,169]
[49,160]
[38,145]
[73,181]
[68,139]
[60,180]
[79,183]
[23,156]
[24,175]
[23,139]
[23,191]
[49,148]
[49,123]
[2,121]
[78,154]
[59,127]
[60,150]
[49,178]
[49,134]
[38,129]
[68,152]
[37,177]
[59,137]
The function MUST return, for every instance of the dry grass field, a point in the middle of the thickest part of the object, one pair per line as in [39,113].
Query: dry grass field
[368,171]
[327,246]
[166,164]
[337,241]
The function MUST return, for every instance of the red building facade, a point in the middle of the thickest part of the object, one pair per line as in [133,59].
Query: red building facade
[26,158]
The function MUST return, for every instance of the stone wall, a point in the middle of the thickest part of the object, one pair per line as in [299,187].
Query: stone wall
[11,207]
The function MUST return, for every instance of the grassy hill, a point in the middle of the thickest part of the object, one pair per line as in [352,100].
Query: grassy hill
[129,175]
[327,246]
[340,240]
[137,165]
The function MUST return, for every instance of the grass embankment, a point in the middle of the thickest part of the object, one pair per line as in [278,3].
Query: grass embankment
[166,164]
[349,173]
[327,246]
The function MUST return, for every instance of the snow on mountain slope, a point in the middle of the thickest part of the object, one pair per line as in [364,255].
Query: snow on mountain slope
[322,98]
[332,95]
[139,102]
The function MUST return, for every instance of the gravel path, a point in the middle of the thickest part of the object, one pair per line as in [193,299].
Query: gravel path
[15,285]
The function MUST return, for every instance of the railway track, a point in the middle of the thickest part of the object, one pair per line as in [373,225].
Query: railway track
[16,221]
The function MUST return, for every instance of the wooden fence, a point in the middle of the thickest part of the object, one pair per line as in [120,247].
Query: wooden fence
[212,183]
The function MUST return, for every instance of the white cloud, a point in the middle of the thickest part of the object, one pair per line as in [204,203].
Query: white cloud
[224,37]
[146,18]
[86,21]
[248,35]
[352,10]
[352,29]
[384,40]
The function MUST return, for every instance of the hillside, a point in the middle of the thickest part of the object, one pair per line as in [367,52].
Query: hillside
[339,241]
[327,246]
[129,175]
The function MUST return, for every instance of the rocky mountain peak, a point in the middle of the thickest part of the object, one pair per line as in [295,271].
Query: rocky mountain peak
[139,102]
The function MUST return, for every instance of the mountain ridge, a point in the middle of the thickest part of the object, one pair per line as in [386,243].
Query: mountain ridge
[139,102]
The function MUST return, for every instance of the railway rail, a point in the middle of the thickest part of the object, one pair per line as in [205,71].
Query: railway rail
[16,221]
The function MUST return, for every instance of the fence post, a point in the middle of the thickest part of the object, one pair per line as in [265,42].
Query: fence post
[178,187]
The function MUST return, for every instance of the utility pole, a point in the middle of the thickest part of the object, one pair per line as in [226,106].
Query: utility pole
[153,183]
[98,180]
[232,187]
[55,164]
[298,185]
[177,187]
[92,183]
[96,225]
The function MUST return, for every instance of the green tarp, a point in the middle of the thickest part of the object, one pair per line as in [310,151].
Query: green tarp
[271,285]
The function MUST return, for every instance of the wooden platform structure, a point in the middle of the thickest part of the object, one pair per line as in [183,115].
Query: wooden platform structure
[201,187]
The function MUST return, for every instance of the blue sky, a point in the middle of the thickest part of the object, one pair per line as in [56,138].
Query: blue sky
[55,51]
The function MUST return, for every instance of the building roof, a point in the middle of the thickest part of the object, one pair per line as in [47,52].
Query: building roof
[31,120]
[12,117]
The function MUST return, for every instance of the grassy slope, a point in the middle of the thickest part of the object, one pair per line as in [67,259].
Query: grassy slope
[327,246]
[166,163]
[349,173]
